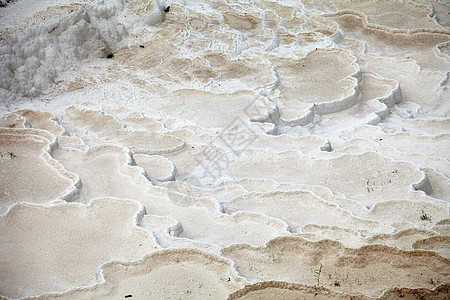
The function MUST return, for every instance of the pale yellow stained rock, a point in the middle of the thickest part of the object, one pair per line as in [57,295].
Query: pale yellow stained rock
[326,262]
[28,172]
[166,274]
[196,107]
[59,247]
[284,290]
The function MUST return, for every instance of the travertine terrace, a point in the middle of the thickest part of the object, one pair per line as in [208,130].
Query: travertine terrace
[158,149]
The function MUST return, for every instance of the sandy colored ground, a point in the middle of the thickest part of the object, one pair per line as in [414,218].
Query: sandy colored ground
[224,149]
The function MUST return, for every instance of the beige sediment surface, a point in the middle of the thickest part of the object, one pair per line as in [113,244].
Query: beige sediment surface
[306,91]
[168,274]
[374,178]
[157,167]
[28,171]
[59,247]
[391,43]
[299,208]
[225,149]
[440,292]
[368,270]
[396,14]
[285,290]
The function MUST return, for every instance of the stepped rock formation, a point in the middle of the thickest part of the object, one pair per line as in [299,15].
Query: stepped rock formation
[218,149]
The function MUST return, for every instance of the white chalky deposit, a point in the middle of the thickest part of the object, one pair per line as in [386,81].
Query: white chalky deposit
[222,149]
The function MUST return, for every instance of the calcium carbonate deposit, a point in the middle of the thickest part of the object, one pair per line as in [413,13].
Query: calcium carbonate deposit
[219,149]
